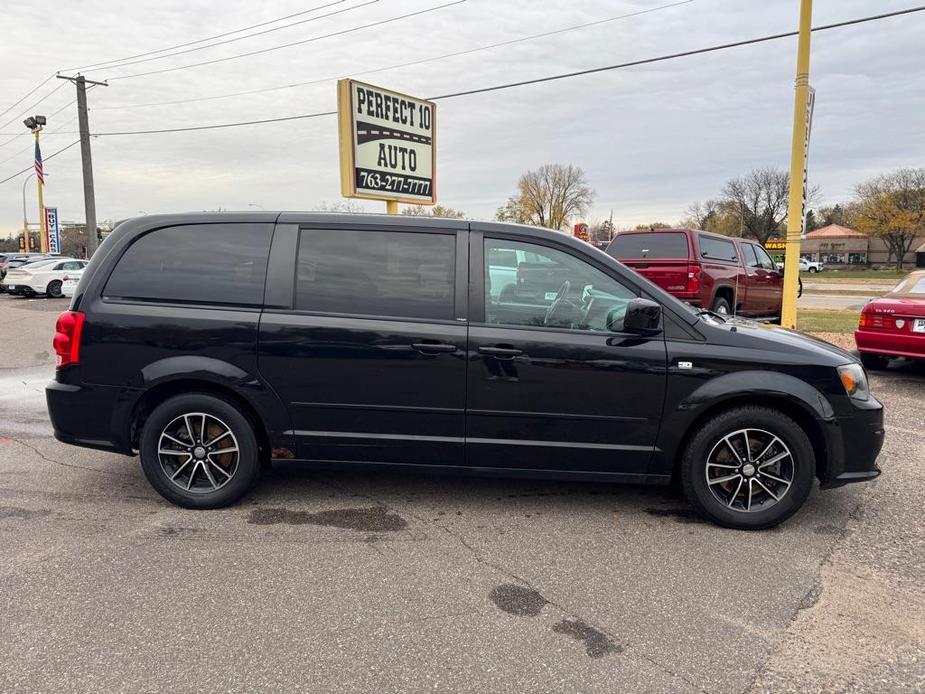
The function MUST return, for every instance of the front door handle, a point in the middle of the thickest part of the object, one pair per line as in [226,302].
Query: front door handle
[433,347]
[501,352]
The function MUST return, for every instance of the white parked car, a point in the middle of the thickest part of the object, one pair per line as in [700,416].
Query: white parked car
[805,266]
[70,282]
[44,277]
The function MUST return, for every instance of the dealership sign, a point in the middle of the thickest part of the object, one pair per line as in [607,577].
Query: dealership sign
[52,230]
[387,147]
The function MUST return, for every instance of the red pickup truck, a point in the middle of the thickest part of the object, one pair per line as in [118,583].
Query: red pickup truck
[721,273]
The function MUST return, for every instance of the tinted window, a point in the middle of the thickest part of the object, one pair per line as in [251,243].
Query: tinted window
[750,258]
[552,289]
[717,249]
[658,244]
[764,259]
[377,273]
[200,263]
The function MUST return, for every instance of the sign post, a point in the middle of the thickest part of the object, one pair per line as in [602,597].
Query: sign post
[52,231]
[387,145]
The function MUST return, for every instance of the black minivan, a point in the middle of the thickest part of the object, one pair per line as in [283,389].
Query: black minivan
[213,344]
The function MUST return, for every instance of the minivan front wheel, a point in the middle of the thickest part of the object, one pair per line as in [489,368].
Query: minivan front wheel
[199,451]
[748,468]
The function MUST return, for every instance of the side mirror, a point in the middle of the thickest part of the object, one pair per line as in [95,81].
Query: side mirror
[643,317]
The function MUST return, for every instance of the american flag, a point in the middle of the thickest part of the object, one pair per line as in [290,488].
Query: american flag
[39,171]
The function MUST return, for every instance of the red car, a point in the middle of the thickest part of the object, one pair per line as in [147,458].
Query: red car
[720,273]
[894,324]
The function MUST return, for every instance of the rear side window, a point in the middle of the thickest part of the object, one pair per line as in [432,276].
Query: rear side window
[377,273]
[197,263]
[717,249]
[658,244]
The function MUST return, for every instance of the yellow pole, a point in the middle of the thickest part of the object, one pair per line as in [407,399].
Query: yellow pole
[797,171]
[391,206]
[43,236]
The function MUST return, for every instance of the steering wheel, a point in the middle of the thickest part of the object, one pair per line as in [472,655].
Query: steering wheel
[560,297]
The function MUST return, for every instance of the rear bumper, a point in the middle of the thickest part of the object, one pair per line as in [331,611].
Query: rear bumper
[90,416]
[854,444]
[891,344]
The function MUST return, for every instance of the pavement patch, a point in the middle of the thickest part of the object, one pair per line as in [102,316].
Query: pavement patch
[377,518]
[597,643]
[680,515]
[517,600]
[22,513]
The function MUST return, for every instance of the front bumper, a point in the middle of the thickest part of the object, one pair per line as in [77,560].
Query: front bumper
[855,442]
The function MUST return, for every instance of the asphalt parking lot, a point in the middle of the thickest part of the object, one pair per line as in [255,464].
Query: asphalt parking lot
[370,582]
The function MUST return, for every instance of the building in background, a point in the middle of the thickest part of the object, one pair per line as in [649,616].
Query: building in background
[838,245]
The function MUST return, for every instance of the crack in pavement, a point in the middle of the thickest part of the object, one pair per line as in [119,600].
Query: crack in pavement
[47,459]
[812,594]
[479,558]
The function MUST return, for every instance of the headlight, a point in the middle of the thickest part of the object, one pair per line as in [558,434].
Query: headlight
[854,380]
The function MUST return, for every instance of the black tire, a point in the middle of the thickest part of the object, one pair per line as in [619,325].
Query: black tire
[53,290]
[711,435]
[873,362]
[812,269]
[721,305]
[243,476]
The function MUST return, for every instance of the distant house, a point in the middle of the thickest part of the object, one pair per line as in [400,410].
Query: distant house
[838,245]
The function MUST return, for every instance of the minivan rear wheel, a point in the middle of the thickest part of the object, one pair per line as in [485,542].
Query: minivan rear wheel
[199,451]
[749,468]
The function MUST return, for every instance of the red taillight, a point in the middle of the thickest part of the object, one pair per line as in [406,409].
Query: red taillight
[67,337]
[877,321]
[693,279]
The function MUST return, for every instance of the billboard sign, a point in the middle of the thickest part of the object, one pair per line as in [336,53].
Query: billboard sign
[387,144]
[580,231]
[52,230]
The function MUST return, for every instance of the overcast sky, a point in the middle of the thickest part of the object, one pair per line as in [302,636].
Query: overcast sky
[651,139]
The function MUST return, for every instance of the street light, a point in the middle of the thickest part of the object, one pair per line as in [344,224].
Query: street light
[35,124]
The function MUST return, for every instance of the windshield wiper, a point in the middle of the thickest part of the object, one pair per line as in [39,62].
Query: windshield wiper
[706,312]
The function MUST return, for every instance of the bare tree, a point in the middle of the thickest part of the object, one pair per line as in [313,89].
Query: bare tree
[761,199]
[549,197]
[701,215]
[892,207]
[435,211]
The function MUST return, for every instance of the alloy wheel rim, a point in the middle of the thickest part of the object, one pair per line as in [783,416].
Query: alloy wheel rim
[749,470]
[198,452]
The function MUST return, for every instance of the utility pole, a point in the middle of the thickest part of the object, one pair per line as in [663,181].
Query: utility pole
[85,159]
[797,198]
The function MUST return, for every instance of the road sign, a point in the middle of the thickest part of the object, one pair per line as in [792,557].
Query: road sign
[52,230]
[387,144]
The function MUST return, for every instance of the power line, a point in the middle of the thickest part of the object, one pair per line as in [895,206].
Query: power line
[208,38]
[289,45]
[26,132]
[31,108]
[672,56]
[27,95]
[248,36]
[50,156]
[401,65]
[538,80]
